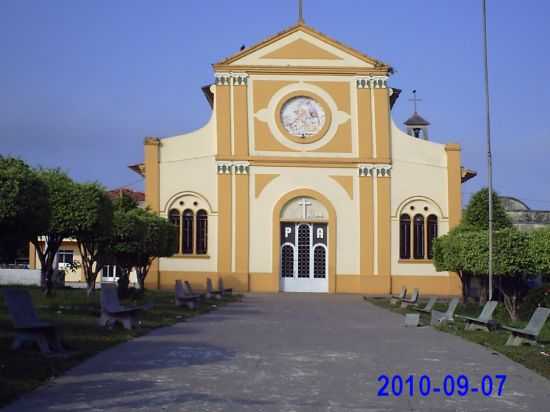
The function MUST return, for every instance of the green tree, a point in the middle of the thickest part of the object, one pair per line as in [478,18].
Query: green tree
[61,191]
[517,256]
[139,237]
[448,252]
[124,202]
[93,215]
[24,211]
[159,240]
[476,215]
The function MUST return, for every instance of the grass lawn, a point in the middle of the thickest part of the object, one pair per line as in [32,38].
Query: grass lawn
[76,315]
[529,356]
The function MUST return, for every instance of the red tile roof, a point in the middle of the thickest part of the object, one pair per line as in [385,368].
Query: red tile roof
[137,196]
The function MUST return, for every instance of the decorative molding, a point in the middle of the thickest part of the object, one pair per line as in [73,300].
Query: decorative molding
[236,79]
[228,167]
[223,79]
[241,168]
[372,82]
[375,170]
[224,168]
[239,79]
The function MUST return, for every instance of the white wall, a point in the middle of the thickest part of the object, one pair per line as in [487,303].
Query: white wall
[188,166]
[419,178]
[20,277]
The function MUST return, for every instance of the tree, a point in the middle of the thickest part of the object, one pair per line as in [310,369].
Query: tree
[517,256]
[61,191]
[448,255]
[159,240]
[448,249]
[476,215]
[93,215]
[539,250]
[138,238]
[24,211]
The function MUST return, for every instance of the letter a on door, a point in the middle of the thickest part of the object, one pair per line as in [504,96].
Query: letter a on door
[320,233]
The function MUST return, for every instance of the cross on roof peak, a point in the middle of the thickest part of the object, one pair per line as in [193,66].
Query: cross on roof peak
[300,11]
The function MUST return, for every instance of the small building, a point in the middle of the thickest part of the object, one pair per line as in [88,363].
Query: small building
[69,252]
[523,217]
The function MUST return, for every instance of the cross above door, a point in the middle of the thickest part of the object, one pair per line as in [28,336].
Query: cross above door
[304,203]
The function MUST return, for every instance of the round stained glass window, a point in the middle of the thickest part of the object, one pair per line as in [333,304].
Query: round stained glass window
[302,116]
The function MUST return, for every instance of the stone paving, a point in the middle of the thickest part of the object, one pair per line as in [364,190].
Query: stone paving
[286,352]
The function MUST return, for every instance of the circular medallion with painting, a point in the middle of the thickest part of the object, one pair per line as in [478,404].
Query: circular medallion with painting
[302,116]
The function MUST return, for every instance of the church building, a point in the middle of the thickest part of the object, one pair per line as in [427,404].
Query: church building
[301,181]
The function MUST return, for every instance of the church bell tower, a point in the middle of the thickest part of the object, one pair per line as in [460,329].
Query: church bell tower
[416,125]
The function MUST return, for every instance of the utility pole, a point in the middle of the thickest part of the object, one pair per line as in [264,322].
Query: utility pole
[489,154]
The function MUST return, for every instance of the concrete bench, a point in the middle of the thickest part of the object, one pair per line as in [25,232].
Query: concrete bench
[398,298]
[411,301]
[223,289]
[202,296]
[112,311]
[429,306]
[485,319]
[438,317]
[211,292]
[185,297]
[531,332]
[28,327]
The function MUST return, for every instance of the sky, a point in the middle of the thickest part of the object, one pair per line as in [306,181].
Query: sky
[83,82]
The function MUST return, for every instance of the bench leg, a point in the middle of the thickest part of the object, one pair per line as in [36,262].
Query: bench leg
[514,340]
[43,343]
[55,341]
[473,326]
[104,320]
[128,322]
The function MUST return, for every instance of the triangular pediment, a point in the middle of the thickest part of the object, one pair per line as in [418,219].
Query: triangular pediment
[300,45]
[301,49]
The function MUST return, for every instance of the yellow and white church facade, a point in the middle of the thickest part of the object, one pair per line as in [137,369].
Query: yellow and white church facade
[300,181]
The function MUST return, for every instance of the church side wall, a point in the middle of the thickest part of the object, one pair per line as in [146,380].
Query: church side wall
[419,180]
[188,171]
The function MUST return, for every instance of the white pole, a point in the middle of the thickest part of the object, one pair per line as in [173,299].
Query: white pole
[489,155]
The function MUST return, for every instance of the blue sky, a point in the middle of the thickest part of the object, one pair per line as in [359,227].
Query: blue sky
[83,82]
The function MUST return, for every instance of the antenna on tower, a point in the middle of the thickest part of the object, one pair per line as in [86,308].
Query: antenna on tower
[300,11]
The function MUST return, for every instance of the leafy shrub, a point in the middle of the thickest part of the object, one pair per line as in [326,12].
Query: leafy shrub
[535,297]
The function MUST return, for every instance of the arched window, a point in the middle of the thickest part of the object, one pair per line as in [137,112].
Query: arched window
[432,234]
[174,217]
[287,261]
[319,262]
[202,232]
[187,230]
[418,237]
[304,242]
[405,237]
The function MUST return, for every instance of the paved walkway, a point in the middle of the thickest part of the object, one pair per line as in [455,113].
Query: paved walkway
[287,352]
